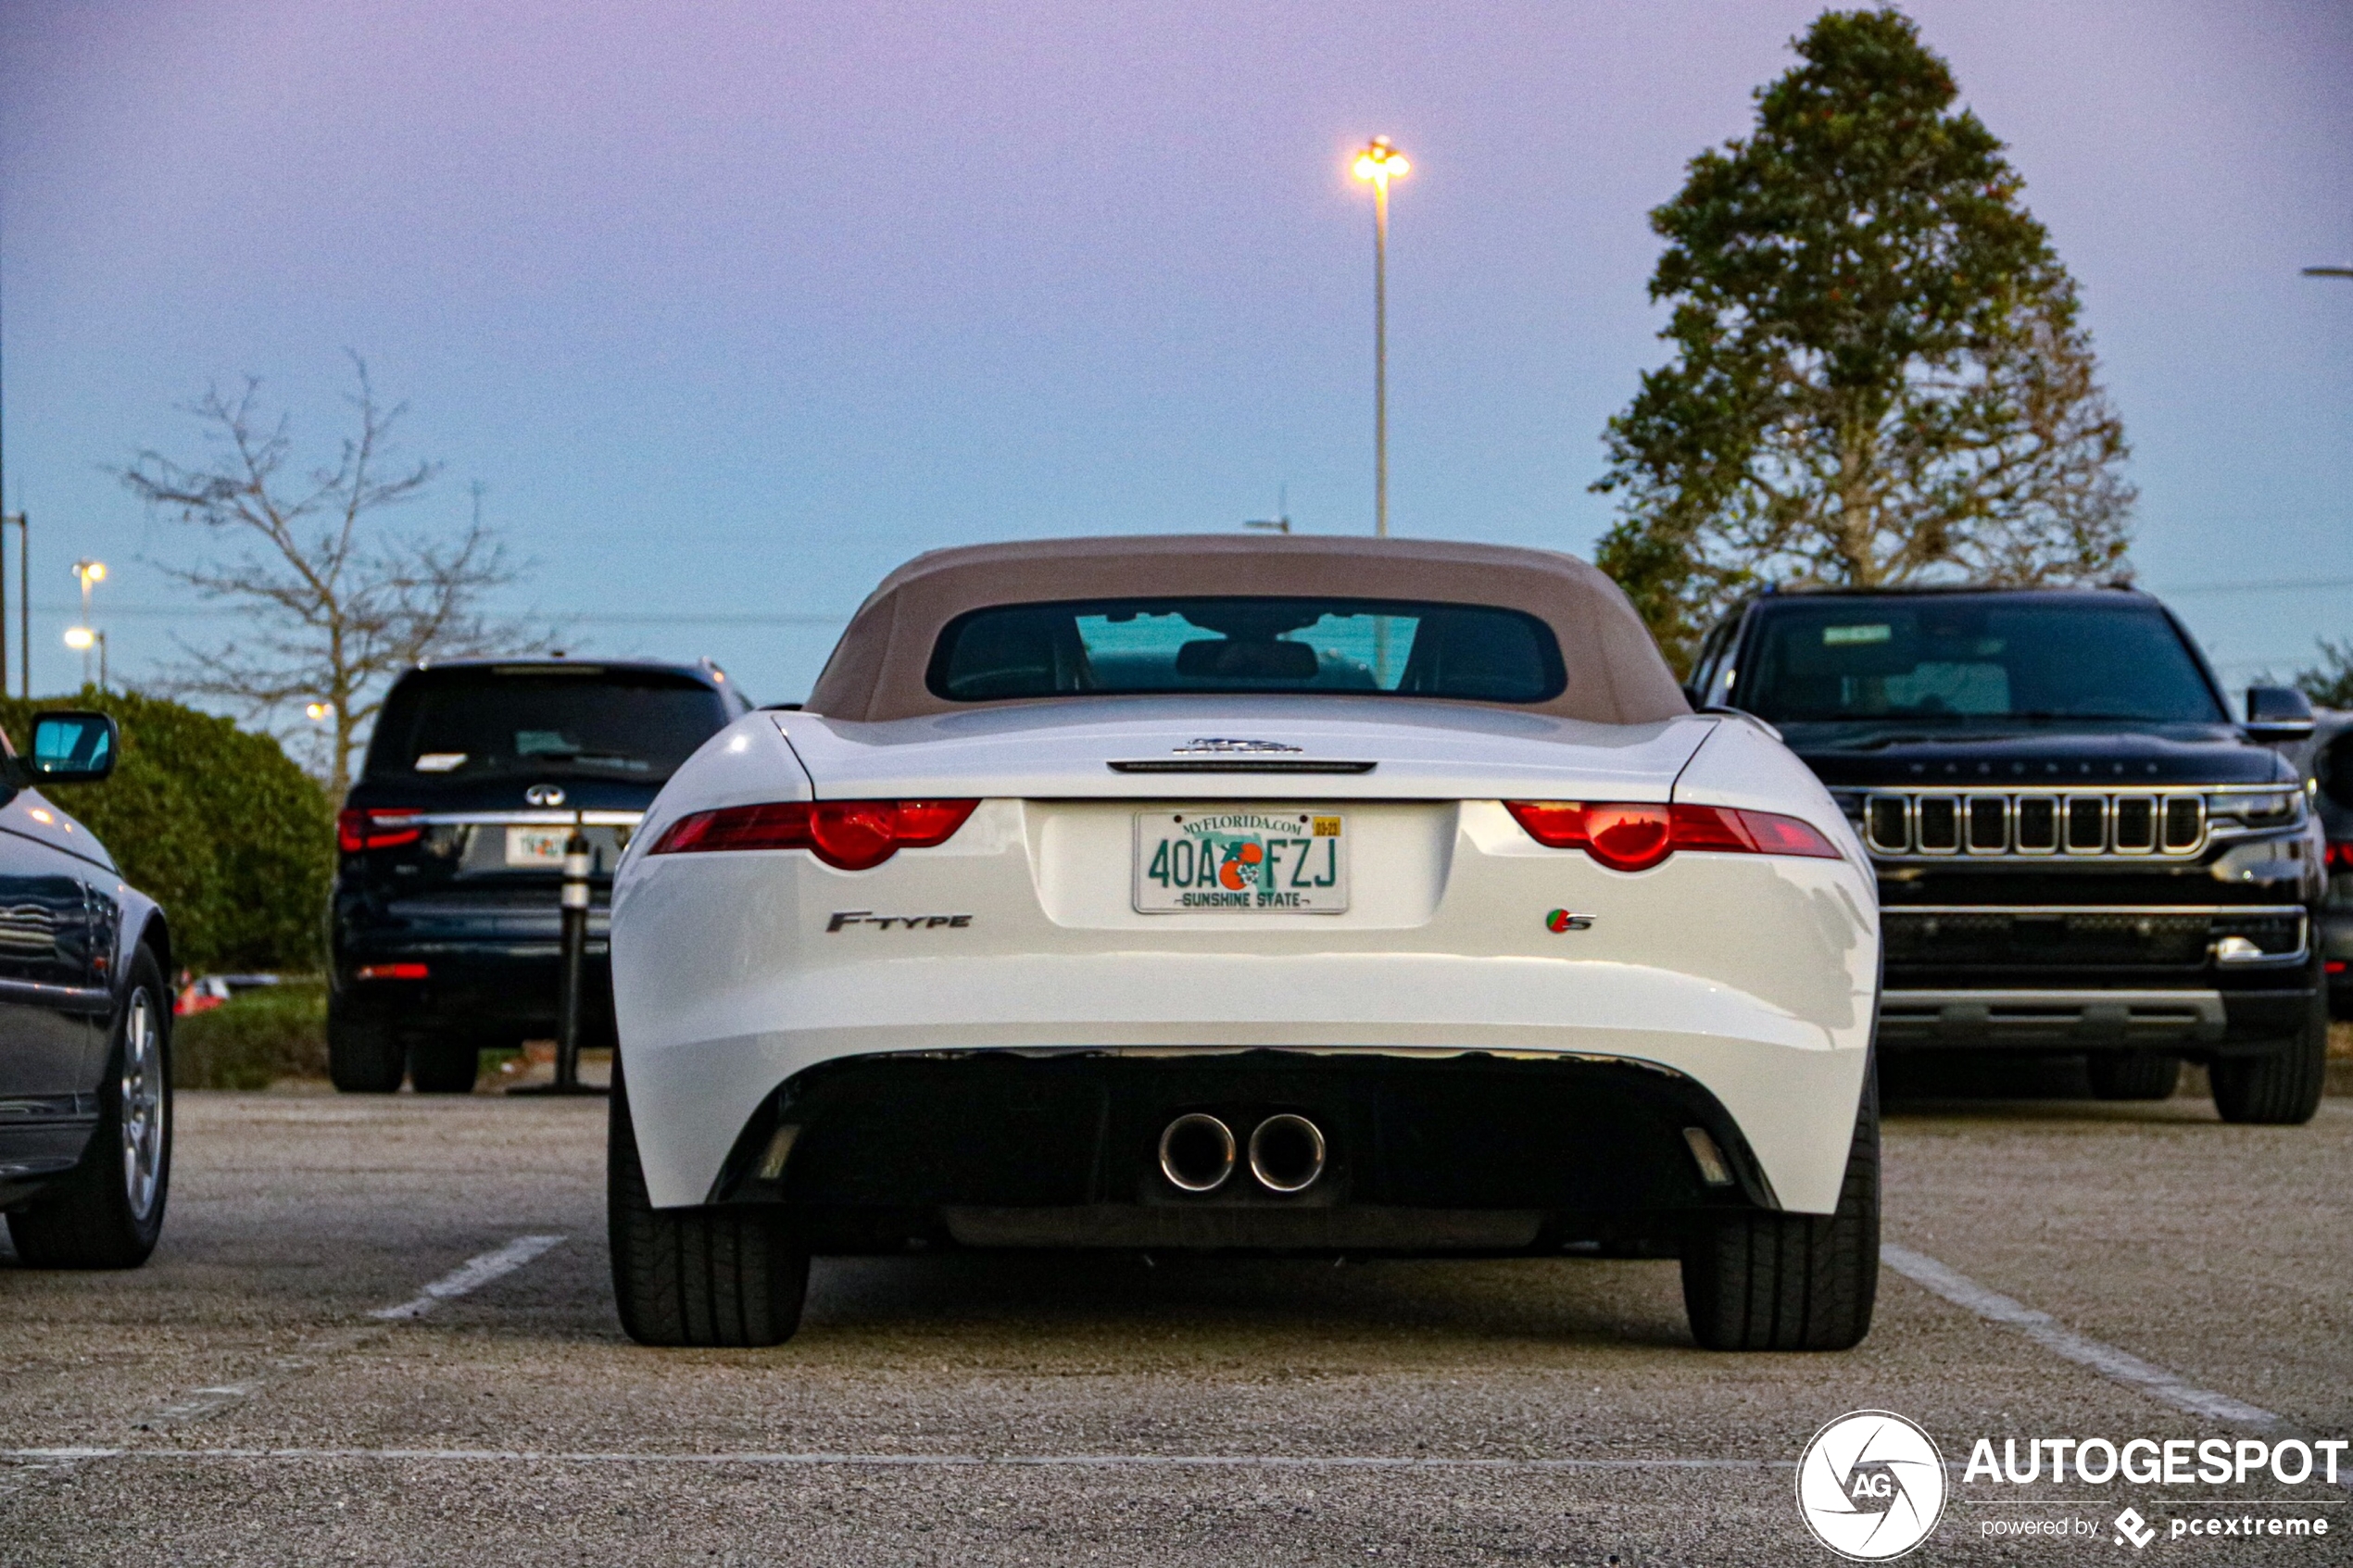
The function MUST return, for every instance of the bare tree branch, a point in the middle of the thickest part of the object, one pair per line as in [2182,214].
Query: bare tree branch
[339,606]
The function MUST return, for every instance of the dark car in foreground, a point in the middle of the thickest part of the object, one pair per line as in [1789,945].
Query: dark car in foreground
[445,926]
[85,1020]
[2079,851]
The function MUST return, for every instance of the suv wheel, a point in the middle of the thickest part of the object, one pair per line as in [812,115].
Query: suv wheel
[108,1213]
[363,1054]
[444,1066]
[1792,1282]
[730,1274]
[2280,1086]
[2134,1074]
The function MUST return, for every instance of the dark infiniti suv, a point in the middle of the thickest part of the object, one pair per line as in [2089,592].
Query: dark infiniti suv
[445,924]
[2079,851]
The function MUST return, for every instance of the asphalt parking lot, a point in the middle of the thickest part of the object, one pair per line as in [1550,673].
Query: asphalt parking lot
[245,1398]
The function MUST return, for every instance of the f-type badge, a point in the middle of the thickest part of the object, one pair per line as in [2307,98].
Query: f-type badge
[845,918]
[1561,920]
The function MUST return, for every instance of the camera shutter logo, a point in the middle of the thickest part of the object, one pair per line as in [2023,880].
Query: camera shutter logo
[1870,1485]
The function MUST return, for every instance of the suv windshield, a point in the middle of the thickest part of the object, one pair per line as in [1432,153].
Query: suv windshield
[1951,659]
[585,719]
[1471,653]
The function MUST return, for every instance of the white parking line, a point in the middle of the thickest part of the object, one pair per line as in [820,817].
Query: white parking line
[2118,1366]
[472,1275]
[889,1460]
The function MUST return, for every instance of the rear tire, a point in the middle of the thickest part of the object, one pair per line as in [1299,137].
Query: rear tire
[109,1213]
[721,1275]
[2134,1074]
[363,1054]
[1792,1282]
[2279,1087]
[444,1067]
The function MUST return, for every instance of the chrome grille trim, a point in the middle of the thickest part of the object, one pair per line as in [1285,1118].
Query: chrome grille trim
[2158,824]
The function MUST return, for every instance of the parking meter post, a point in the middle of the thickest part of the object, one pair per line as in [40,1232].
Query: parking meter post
[575,952]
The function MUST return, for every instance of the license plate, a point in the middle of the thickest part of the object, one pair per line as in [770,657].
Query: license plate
[536,847]
[1241,861]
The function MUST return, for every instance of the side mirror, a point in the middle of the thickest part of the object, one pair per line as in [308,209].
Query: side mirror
[71,748]
[2278,713]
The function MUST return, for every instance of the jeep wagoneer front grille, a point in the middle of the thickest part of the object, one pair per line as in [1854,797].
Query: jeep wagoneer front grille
[2037,822]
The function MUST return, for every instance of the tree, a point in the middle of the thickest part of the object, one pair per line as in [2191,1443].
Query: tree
[2330,683]
[1880,373]
[338,604]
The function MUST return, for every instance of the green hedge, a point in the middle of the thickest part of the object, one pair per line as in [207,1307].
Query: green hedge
[254,1039]
[218,825]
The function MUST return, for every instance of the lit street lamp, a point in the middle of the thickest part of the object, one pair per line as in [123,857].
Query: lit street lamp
[1378,163]
[85,638]
[87,572]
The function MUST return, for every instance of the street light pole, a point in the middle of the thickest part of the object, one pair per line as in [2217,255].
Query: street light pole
[1378,163]
[84,636]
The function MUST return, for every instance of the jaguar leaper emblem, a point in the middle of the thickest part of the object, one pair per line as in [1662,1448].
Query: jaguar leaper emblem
[1213,743]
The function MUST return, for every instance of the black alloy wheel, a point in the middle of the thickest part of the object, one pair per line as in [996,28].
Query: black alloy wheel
[363,1054]
[444,1066]
[2281,1086]
[109,1213]
[1792,1282]
[729,1274]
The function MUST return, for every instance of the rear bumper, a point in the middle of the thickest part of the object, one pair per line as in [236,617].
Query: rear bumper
[1447,1153]
[498,992]
[1789,1087]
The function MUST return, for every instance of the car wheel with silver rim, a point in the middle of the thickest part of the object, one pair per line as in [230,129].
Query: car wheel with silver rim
[109,1211]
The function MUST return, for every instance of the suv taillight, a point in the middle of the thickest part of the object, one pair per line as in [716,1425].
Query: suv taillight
[852,834]
[2340,855]
[1635,836]
[362,827]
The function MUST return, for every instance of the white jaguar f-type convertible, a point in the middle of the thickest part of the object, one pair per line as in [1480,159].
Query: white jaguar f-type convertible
[1309,896]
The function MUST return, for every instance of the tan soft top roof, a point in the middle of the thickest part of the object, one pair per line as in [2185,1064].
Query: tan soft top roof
[1616,675]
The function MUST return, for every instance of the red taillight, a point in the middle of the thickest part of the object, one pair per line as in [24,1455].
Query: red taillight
[361,827]
[1633,837]
[852,834]
[2340,855]
[389,971]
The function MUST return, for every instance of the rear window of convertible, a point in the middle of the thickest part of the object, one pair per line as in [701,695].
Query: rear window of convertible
[1108,647]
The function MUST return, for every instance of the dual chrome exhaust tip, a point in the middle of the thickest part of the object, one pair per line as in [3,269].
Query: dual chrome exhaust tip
[1198,1153]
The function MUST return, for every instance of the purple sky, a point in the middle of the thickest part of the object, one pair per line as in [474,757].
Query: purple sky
[733,306]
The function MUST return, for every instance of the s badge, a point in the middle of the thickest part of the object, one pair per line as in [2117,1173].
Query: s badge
[1561,920]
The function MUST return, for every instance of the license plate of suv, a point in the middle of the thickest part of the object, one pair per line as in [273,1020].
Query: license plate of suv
[1241,861]
[536,847]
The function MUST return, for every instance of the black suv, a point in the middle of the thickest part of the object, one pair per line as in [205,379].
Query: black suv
[445,925]
[2079,851]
